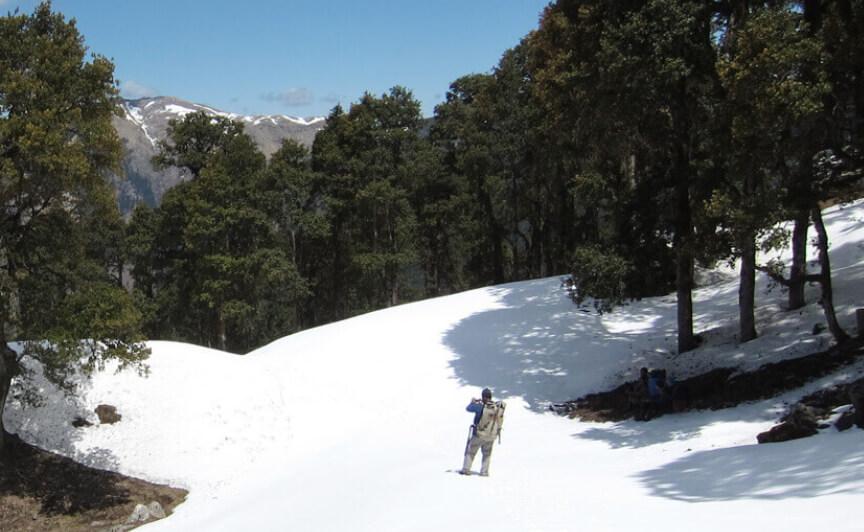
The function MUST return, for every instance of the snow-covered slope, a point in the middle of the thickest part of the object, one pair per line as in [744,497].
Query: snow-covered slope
[358,425]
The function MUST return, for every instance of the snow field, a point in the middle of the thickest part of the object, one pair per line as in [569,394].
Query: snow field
[360,425]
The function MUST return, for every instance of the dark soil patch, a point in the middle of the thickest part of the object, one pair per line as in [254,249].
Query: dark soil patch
[43,491]
[719,388]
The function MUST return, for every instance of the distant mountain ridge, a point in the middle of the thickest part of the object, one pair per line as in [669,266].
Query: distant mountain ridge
[145,122]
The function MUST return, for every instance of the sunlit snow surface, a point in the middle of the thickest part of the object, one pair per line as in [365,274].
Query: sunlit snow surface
[359,425]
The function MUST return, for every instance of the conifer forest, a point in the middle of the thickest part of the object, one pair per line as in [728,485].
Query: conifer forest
[620,145]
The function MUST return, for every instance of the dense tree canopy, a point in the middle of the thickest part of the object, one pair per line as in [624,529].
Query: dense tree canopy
[59,225]
[365,157]
[222,275]
[621,144]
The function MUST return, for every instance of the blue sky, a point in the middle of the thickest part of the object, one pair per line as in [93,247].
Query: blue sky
[297,58]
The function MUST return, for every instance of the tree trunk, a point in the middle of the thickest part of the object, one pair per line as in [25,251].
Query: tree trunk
[223,332]
[798,272]
[825,278]
[391,285]
[856,396]
[686,338]
[494,239]
[7,362]
[683,224]
[339,279]
[747,275]
[684,275]
[747,292]
[294,247]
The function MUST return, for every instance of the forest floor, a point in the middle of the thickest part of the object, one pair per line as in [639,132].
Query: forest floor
[723,388]
[42,491]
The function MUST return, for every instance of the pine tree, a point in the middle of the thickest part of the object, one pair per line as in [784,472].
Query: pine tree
[442,205]
[463,131]
[222,279]
[767,71]
[140,235]
[289,182]
[364,158]
[837,167]
[630,85]
[193,140]
[140,246]
[56,145]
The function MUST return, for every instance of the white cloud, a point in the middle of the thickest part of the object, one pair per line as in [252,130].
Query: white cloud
[134,90]
[294,97]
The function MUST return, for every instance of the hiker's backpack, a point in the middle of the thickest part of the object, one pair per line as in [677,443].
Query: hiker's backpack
[489,426]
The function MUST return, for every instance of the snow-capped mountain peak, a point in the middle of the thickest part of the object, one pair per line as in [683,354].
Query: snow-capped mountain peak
[144,122]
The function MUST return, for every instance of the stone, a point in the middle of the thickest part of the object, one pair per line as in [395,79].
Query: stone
[156,510]
[856,396]
[140,514]
[108,414]
[79,422]
[800,422]
[803,415]
[846,421]
[784,432]
[143,513]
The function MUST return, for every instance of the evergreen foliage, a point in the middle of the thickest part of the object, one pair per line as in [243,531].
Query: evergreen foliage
[642,78]
[620,143]
[60,231]
[601,276]
[769,71]
[365,158]
[221,275]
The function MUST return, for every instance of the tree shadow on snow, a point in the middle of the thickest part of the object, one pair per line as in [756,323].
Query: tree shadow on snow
[673,427]
[634,435]
[806,468]
[539,345]
[50,424]
[542,347]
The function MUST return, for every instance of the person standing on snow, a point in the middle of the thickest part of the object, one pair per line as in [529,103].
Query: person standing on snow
[484,430]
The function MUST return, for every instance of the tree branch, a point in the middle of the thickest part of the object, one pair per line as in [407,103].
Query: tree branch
[779,279]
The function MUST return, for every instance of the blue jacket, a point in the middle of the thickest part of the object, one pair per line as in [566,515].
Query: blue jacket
[653,388]
[477,408]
